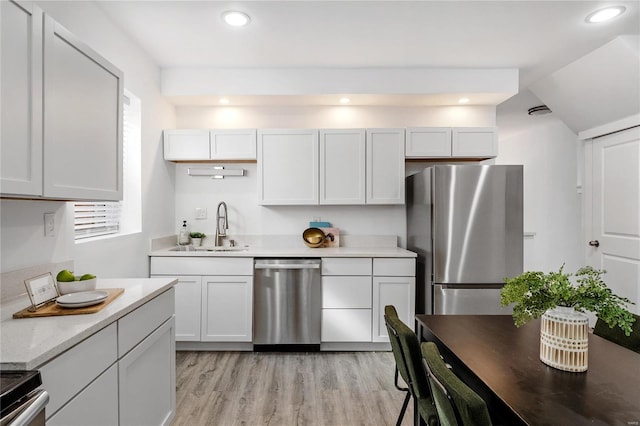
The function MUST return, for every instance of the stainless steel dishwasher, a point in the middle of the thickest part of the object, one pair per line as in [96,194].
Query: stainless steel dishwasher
[286,304]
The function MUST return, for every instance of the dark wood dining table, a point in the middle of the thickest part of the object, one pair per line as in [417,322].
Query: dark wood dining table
[502,364]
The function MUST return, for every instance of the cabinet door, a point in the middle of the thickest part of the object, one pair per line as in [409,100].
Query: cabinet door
[346,292]
[186,145]
[396,291]
[385,166]
[83,95]
[346,325]
[481,142]
[188,295]
[227,309]
[233,144]
[288,166]
[147,379]
[342,166]
[21,94]
[428,142]
[96,405]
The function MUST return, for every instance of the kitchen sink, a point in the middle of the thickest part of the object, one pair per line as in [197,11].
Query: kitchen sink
[208,248]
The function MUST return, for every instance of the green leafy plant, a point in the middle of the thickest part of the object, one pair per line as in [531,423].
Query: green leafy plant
[535,292]
[197,235]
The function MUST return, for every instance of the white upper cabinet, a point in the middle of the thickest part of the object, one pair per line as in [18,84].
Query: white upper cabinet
[385,166]
[186,145]
[205,144]
[474,142]
[429,142]
[83,96]
[21,125]
[447,142]
[288,166]
[233,144]
[61,112]
[342,166]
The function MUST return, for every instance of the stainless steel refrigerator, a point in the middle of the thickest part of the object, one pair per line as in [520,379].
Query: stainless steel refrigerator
[465,223]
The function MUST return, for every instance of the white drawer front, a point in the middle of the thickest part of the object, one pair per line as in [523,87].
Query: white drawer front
[346,292]
[346,266]
[135,326]
[394,267]
[346,325]
[201,266]
[64,376]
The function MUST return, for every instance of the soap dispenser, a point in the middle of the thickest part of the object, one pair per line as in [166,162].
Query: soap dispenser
[183,235]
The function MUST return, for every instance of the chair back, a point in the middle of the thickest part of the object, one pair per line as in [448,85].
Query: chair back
[405,343]
[616,335]
[456,403]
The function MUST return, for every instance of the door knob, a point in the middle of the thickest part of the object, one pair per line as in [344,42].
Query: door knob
[594,243]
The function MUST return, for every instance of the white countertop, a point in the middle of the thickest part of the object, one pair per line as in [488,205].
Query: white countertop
[293,252]
[27,343]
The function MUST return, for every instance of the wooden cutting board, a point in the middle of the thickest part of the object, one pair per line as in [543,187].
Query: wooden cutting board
[52,309]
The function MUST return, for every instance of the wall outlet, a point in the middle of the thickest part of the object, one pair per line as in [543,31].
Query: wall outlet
[201,213]
[49,224]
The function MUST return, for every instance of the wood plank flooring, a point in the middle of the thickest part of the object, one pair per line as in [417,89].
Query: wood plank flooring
[282,389]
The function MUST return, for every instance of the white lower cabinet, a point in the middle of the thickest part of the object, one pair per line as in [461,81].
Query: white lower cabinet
[147,379]
[122,375]
[346,325]
[214,297]
[227,309]
[394,283]
[96,405]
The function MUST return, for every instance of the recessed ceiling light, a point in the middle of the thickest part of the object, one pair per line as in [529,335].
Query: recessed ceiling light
[604,14]
[463,100]
[345,100]
[235,18]
[224,101]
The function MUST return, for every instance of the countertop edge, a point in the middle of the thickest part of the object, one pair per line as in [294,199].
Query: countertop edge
[101,323]
[293,252]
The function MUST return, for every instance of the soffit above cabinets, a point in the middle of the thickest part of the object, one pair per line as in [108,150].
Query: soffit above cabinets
[319,86]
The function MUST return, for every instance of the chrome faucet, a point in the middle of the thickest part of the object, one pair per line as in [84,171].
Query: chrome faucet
[221,231]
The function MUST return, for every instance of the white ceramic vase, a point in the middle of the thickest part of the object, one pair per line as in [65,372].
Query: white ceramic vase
[564,339]
[196,242]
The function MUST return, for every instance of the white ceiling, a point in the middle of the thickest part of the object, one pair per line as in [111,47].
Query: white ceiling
[536,37]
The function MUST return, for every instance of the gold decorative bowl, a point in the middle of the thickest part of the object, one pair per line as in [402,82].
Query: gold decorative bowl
[313,237]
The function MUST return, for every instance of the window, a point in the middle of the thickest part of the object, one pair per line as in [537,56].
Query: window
[99,219]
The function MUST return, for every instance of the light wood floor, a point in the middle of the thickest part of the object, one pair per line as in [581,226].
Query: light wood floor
[282,389]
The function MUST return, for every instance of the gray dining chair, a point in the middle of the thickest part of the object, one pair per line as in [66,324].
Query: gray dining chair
[406,351]
[616,335]
[456,403]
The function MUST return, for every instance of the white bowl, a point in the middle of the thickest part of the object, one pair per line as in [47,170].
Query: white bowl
[75,286]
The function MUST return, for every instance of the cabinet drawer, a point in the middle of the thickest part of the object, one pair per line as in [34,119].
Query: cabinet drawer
[135,326]
[346,292]
[403,267]
[346,325]
[66,375]
[201,266]
[96,405]
[346,266]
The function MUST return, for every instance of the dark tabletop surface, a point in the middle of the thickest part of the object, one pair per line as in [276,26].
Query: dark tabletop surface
[505,362]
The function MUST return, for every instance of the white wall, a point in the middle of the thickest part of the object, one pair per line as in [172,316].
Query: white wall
[22,228]
[548,149]
[240,193]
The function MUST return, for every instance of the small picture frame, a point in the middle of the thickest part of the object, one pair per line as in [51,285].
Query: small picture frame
[41,290]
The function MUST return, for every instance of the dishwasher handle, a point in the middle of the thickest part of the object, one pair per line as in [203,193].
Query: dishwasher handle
[28,410]
[287,265]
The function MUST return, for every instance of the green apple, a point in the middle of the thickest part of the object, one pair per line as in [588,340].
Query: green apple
[65,276]
[87,277]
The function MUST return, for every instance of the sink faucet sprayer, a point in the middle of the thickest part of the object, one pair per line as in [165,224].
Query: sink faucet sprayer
[221,231]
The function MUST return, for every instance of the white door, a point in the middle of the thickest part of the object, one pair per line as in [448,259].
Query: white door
[385,166]
[188,304]
[21,95]
[227,308]
[612,210]
[342,166]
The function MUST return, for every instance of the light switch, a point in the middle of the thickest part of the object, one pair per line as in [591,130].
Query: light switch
[201,213]
[49,224]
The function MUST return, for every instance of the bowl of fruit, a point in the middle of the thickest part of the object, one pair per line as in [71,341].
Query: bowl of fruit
[70,283]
